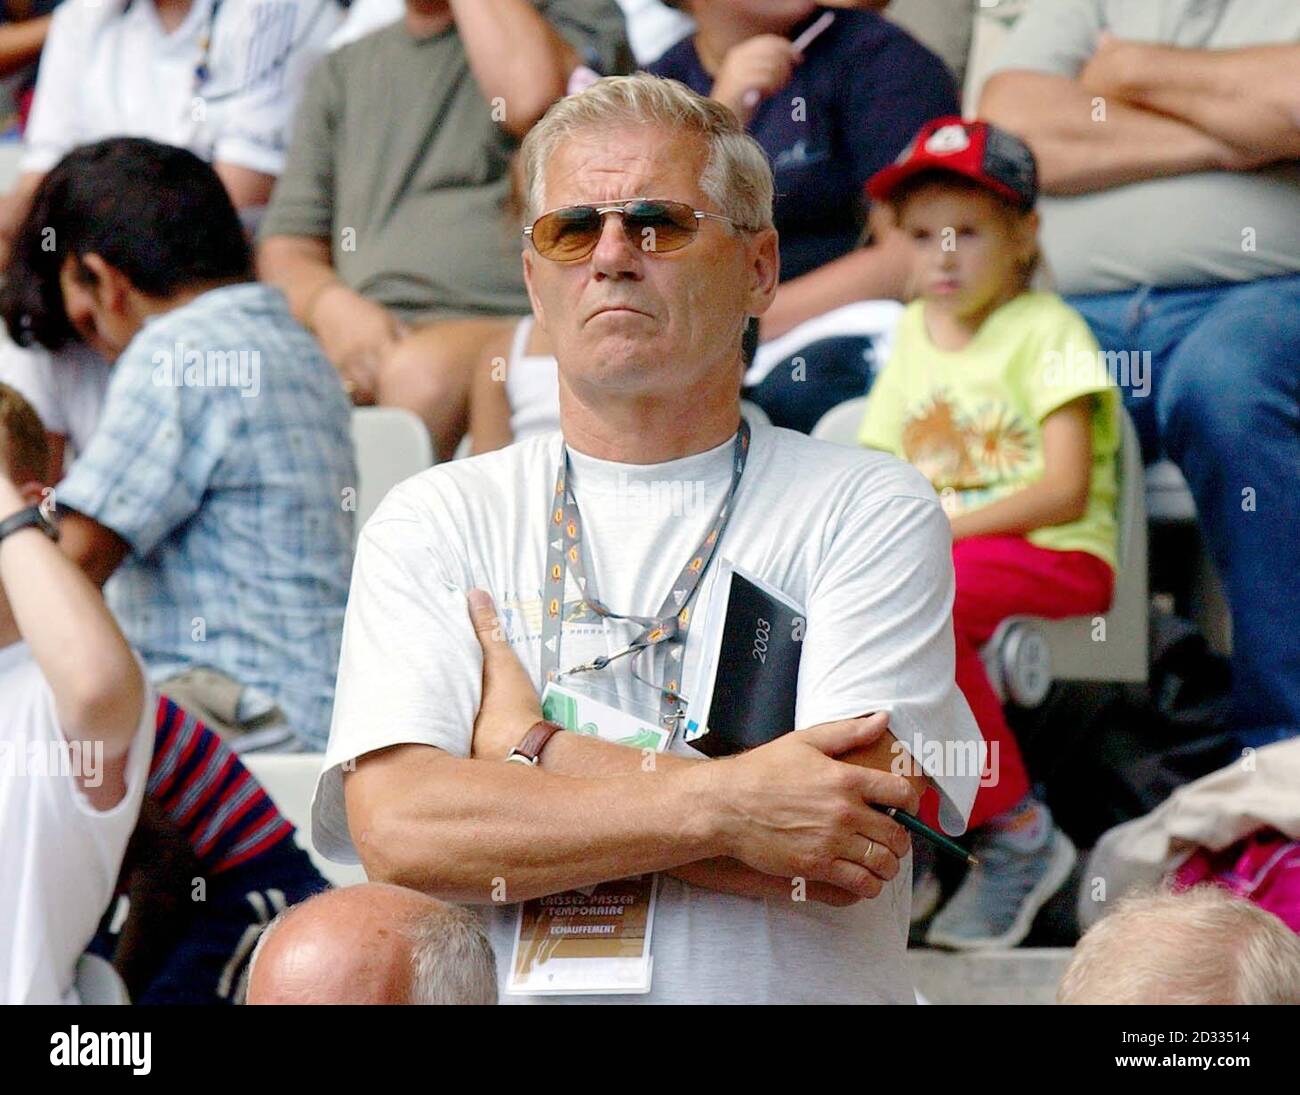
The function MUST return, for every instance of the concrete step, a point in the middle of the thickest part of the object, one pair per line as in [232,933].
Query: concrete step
[1026,976]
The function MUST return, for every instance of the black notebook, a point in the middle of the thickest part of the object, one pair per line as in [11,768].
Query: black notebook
[750,675]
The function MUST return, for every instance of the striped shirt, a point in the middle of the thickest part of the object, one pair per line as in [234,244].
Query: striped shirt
[220,809]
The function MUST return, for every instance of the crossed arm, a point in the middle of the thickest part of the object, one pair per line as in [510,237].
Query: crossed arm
[594,811]
[571,754]
[744,825]
[1139,111]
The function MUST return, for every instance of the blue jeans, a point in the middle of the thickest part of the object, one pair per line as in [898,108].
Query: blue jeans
[1222,400]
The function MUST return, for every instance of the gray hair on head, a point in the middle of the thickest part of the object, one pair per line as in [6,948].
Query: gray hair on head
[451,960]
[1203,945]
[736,178]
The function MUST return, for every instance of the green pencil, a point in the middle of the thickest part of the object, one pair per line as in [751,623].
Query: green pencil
[907,821]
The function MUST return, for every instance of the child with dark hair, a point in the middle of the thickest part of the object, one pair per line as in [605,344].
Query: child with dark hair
[216,486]
[64,378]
[1000,396]
[155,215]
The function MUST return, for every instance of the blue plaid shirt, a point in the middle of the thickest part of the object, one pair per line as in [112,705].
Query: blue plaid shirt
[224,459]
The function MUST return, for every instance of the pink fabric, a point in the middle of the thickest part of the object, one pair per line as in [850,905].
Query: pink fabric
[997,577]
[1264,868]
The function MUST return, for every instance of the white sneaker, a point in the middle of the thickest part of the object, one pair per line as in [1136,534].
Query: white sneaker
[995,906]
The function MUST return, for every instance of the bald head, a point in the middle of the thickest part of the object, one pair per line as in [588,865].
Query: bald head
[373,944]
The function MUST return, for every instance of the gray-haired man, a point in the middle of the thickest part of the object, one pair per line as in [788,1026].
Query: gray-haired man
[779,880]
[373,944]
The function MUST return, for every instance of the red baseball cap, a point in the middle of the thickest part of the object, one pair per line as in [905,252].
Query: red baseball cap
[995,159]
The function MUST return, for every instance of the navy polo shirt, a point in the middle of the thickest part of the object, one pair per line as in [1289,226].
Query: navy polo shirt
[864,90]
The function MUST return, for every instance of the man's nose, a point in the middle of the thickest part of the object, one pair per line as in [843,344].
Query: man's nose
[616,256]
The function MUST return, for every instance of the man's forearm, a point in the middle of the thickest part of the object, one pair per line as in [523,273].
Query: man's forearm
[878,272]
[1248,98]
[247,188]
[571,754]
[20,43]
[1084,145]
[516,57]
[581,754]
[538,833]
[301,267]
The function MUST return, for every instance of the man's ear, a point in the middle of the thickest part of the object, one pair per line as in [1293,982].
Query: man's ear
[539,313]
[764,257]
[1028,233]
[111,288]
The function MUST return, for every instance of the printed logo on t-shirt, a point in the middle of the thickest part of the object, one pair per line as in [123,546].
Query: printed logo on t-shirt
[521,618]
[963,451]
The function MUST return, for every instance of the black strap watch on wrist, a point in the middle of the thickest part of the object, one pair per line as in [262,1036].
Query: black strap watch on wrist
[31,517]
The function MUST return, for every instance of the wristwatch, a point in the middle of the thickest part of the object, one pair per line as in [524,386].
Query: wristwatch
[31,517]
[529,751]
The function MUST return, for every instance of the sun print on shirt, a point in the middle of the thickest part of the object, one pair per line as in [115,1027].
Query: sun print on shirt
[961,452]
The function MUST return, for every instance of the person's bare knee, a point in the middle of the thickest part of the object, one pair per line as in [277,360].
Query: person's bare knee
[430,372]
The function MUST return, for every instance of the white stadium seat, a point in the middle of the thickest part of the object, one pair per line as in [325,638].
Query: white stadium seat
[97,982]
[391,444]
[290,778]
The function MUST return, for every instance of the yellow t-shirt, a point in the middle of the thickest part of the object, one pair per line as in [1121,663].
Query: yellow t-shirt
[971,420]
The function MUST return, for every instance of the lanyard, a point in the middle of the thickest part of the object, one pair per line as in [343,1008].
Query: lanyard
[201,69]
[669,625]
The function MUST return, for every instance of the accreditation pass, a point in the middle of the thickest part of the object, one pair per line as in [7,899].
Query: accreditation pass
[594,940]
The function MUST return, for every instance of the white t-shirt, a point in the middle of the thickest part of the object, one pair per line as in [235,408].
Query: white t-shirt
[59,856]
[109,72]
[66,389]
[651,26]
[857,538]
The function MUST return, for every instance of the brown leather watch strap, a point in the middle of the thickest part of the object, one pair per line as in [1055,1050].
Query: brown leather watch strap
[529,751]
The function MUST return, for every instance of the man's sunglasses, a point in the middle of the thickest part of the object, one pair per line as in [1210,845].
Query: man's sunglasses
[656,227]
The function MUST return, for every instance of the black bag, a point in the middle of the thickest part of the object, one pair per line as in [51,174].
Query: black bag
[1103,754]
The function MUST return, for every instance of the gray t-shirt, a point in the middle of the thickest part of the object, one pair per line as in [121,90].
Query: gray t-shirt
[856,538]
[1185,230]
[397,160]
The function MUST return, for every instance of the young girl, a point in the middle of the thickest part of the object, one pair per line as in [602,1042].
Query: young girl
[999,395]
